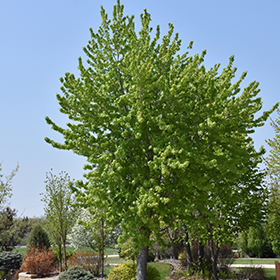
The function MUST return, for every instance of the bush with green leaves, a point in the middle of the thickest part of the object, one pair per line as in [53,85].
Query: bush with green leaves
[38,238]
[10,261]
[127,271]
[76,273]
[128,250]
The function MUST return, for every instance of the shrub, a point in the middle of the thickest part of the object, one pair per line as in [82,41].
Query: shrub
[252,273]
[88,260]
[10,261]
[226,258]
[128,250]
[127,271]
[206,263]
[38,238]
[39,261]
[76,273]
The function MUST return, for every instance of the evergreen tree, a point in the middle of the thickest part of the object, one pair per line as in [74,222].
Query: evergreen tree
[39,238]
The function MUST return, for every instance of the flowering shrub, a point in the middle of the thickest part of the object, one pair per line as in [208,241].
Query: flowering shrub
[38,261]
[87,260]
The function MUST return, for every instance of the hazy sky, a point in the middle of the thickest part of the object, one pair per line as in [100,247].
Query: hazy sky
[41,40]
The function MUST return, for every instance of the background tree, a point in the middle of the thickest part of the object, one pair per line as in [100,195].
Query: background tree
[272,227]
[273,170]
[39,238]
[12,229]
[5,187]
[256,240]
[163,137]
[91,230]
[59,212]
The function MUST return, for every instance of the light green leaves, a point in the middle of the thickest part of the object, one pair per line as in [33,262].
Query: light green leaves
[164,137]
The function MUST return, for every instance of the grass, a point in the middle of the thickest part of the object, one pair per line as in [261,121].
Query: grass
[255,261]
[108,251]
[20,250]
[270,274]
[114,260]
[163,269]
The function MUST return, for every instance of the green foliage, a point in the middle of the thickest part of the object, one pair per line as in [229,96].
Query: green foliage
[59,211]
[10,261]
[127,271]
[76,273]
[69,252]
[256,240]
[165,139]
[12,229]
[38,238]
[5,187]
[128,250]
[273,224]
[273,169]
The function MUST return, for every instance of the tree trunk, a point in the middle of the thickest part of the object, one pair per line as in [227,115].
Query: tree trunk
[102,247]
[64,254]
[188,250]
[214,258]
[142,260]
[200,255]
[175,246]
[60,257]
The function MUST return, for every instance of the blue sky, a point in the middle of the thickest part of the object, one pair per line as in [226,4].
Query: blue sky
[41,40]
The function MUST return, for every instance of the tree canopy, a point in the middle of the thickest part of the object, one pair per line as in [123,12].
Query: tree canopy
[273,170]
[12,229]
[163,136]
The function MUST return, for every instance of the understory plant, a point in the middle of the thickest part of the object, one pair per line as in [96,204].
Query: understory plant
[76,273]
[127,271]
[9,261]
[39,261]
[88,260]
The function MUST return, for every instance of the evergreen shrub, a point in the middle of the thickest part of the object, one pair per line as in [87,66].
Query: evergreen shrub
[10,261]
[76,273]
[38,238]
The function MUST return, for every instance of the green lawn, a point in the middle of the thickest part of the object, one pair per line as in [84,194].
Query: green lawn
[114,260]
[270,274]
[255,261]
[108,251]
[163,269]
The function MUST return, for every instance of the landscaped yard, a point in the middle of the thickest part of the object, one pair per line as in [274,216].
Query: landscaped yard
[164,269]
[270,273]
